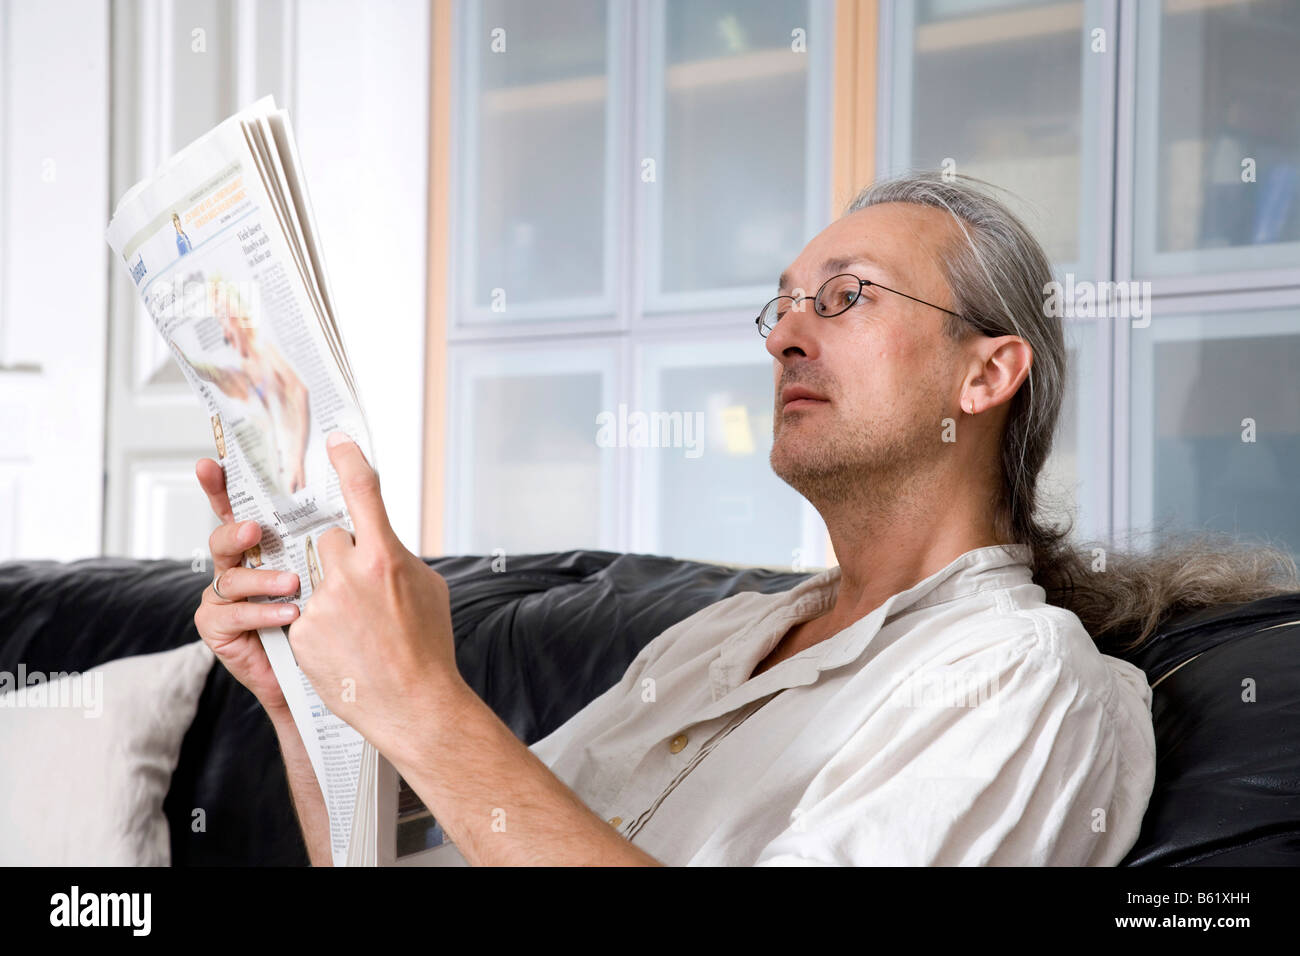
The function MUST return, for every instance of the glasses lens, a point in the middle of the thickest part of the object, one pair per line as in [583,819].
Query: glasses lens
[838,294]
[772,313]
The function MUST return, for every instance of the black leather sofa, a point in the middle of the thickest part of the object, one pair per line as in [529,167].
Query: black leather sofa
[551,631]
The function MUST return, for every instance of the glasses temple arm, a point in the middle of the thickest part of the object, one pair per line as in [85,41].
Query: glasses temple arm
[912,297]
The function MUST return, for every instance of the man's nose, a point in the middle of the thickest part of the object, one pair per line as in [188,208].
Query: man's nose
[797,333]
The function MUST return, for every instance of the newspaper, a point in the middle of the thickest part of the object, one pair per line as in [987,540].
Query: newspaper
[222,247]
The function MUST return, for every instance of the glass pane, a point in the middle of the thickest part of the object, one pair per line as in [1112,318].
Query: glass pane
[538,158]
[995,90]
[1216,430]
[1218,136]
[736,131]
[531,476]
[714,495]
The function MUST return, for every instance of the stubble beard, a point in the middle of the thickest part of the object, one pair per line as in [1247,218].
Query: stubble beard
[833,461]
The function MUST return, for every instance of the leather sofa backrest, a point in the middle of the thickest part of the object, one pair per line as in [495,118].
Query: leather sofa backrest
[548,633]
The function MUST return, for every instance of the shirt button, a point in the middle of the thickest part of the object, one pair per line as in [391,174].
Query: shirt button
[615,821]
[677,743]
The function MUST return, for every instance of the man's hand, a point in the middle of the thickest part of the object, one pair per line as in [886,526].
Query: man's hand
[375,639]
[227,622]
[375,636]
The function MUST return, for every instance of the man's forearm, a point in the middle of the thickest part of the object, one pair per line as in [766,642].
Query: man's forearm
[307,798]
[495,799]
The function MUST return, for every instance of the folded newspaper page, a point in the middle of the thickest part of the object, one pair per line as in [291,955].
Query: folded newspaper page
[223,249]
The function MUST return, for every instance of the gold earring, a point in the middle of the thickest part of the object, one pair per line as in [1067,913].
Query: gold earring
[971,406]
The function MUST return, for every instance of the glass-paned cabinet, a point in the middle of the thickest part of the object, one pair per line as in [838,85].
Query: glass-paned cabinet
[1217,136]
[736,127]
[1011,93]
[630,180]
[1155,150]
[538,155]
[1212,398]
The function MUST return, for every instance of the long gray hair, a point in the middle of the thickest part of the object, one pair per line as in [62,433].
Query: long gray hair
[999,276]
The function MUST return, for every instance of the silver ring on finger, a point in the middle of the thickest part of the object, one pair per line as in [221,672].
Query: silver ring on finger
[216,590]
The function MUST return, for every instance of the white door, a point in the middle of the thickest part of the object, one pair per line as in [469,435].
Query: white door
[53,198]
[179,68]
[354,77]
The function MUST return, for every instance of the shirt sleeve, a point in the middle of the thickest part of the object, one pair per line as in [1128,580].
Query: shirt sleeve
[1005,757]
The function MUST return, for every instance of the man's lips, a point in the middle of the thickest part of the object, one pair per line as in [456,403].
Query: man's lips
[797,396]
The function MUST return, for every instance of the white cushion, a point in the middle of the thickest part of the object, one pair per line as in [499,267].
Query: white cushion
[88,758]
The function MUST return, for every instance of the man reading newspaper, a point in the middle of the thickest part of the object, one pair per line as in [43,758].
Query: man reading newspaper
[794,728]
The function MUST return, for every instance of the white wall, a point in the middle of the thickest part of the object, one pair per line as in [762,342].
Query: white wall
[360,108]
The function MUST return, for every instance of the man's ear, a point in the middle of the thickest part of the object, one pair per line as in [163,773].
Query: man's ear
[1001,367]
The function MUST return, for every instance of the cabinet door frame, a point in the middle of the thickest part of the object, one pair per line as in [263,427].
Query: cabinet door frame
[558,316]
[470,363]
[714,348]
[1135,495]
[656,307]
[1097,118]
[1177,273]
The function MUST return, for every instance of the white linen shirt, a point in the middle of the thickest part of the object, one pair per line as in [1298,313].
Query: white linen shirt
[963,722]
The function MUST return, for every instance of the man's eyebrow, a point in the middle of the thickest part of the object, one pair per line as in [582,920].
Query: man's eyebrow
[832,267]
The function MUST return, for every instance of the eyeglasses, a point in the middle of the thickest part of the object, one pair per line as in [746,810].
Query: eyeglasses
[837,295]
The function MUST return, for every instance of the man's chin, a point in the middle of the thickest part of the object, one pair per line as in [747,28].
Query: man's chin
[812,459]
[799,460]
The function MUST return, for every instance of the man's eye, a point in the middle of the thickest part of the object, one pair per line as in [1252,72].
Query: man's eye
[841,301]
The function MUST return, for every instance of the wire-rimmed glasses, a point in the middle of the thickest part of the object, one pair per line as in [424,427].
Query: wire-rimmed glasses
[837,295]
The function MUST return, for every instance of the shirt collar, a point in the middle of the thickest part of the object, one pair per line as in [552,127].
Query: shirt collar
[995,566]
[983,569]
